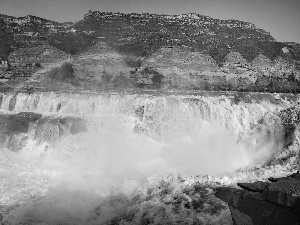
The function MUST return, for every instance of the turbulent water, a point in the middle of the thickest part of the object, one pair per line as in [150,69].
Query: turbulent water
[129,142]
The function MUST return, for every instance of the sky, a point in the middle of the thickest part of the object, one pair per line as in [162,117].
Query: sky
[279,17]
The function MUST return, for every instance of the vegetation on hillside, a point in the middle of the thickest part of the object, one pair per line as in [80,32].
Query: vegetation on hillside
[122,81]
[137,36]
[6,41]
[65,73]
[71,43]
[141,37]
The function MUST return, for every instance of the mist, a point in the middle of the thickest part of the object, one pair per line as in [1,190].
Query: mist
[86,170]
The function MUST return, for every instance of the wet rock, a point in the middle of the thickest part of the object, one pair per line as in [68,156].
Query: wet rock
[285,193]
[292,176]
[16,129]
[263,203]
[256,186]
[50,129]
[17,123]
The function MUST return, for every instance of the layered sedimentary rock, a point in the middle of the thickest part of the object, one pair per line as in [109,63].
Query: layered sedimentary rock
[43,54]
[182,61]
[186,68]
[262,62]
[264,203]
[182,67]
[98,60]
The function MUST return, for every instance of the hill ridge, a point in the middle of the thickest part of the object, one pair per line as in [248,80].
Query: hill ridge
[227,54]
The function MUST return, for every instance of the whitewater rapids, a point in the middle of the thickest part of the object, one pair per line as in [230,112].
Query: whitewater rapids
[128,139]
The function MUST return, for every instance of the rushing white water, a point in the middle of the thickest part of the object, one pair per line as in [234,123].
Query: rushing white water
[129,137]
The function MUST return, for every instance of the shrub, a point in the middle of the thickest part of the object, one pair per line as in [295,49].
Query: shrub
[157,78]
[122,82]
[37,65]
[71,43]
[63,73]
[218,53]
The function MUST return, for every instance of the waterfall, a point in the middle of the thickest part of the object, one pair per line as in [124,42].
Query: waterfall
[58,144]
[162,116]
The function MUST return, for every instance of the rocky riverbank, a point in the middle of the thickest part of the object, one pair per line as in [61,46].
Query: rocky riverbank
[264,203]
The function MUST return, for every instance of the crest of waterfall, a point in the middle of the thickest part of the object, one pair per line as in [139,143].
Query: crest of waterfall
[157,116]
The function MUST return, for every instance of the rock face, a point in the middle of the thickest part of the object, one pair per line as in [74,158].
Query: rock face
[181,66]
[181,61]
[185,68]
[264,203]
[43,54]
[99,59]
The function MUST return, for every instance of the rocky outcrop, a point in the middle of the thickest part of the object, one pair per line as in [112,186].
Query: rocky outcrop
[182,67]
[264,203]
[24,62]
[17,128]
[185,68]
[261,62]
[181,61]
[50,129]
[98,60]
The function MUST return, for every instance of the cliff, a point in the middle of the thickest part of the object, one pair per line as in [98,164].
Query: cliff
[263,203]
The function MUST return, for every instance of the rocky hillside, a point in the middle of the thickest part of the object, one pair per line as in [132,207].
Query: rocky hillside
[99,59]
[140,35]
[143,34]
[188,51]
[28,31]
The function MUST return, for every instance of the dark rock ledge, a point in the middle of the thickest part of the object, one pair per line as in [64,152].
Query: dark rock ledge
[276,202]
